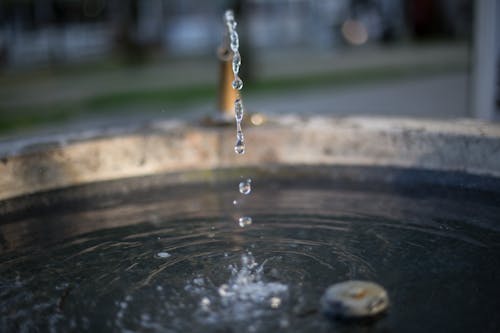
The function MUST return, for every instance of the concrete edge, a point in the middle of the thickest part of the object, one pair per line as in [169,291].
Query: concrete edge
[37,164]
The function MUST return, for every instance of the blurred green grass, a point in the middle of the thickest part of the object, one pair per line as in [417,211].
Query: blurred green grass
[170,98]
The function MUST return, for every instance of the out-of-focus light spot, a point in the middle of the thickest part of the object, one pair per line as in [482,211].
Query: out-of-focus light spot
[257,119]
[354,32]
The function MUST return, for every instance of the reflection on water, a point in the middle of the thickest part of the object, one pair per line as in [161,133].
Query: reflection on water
[143,255]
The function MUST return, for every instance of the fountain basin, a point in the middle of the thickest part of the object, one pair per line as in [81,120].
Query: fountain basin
[135,229]
[45,163]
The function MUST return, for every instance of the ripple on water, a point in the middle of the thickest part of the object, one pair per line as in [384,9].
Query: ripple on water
[190,269]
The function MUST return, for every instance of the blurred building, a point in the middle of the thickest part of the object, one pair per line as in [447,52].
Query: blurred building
[58,31]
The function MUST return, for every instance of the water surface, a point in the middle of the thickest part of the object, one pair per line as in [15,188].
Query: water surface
[150,255]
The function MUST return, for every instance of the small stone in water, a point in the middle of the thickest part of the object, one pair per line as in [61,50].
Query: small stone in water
[163,254]
[354,299]
[237,84]
[245,220]
[246,187]
[275,302]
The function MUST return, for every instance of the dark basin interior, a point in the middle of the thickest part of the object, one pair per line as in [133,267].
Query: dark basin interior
[145,254]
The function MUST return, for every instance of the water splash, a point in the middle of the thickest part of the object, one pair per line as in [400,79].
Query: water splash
[205,303]
[245,292]
[246,283]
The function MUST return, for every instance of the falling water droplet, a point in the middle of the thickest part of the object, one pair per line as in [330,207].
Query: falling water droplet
[230,22]
[236,62]
[224,290]
[244,221]
[237,83]
[229,15]
[238,109]
[246,187]
[235,42]
[239,147]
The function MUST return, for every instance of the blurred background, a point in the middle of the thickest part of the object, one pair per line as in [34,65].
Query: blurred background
[87,63]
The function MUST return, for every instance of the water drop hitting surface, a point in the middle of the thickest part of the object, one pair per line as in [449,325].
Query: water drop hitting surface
[205,303]
[275,302]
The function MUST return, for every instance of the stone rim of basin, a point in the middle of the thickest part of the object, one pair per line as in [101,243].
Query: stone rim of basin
[36,164]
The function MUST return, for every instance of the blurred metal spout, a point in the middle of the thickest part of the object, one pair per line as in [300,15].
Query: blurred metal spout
[226,94]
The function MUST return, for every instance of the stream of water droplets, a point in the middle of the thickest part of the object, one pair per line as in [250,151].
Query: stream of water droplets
[237,84]
[162,258]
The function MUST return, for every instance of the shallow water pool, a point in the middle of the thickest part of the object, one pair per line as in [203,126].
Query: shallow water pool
[166,253]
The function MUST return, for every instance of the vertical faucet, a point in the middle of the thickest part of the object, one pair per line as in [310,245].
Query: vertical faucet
[226,94]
